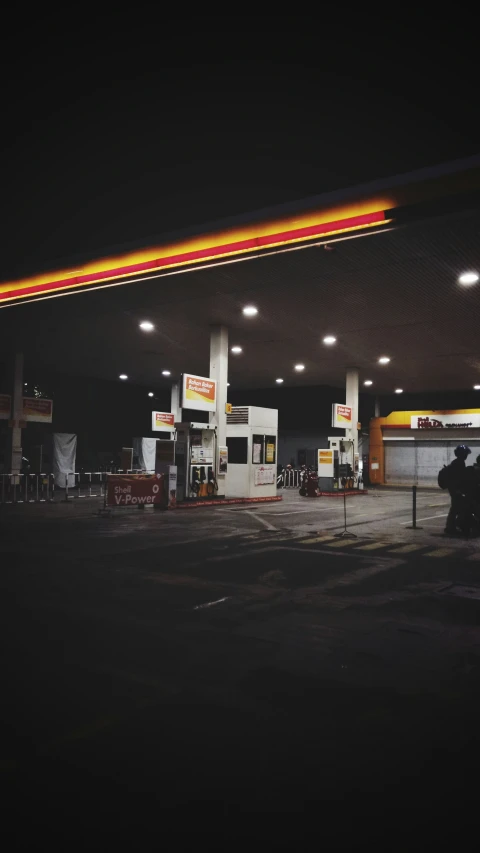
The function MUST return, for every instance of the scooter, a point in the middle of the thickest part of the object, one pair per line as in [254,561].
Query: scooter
[308,484]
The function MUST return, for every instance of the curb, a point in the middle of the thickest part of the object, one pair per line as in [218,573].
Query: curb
[340,494]
[226,502]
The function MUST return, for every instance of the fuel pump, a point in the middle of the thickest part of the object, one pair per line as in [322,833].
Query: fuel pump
[337,465]
[346,467]
[195,454]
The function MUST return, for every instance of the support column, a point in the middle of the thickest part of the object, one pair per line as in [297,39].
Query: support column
[175,402]
[219,372]
[15,460]
[352,401]
[377,407]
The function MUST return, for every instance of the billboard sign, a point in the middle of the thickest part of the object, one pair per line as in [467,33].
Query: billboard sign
[163,421]
[37,409]
[135,489]
[445,421]
[341,416]
[199,392]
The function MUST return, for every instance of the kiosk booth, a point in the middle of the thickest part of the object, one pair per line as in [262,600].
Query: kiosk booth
[252,437]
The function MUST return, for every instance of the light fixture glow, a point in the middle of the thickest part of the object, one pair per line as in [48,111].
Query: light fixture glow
[147,326]
[166,372]
[368,382]
[384,359]
[150,393]
[250,311]
[279,381]
[228,384]
[398,390]
[236,350]
[476,387]
[330,339]
[299,367]
[123,376]
[468,278]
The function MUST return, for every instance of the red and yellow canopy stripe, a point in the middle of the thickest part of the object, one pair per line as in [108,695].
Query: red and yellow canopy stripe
[209,247]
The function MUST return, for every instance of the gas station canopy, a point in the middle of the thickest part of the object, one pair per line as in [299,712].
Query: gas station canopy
[379,268]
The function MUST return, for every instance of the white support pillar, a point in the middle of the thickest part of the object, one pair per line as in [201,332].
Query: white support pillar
[219,372]
[352,401]
[17,415]
[175,402]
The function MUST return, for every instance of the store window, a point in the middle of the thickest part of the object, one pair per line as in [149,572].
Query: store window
[270,449]
[237,451]
[258,442]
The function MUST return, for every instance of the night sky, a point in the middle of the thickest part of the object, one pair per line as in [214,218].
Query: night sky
[121,137]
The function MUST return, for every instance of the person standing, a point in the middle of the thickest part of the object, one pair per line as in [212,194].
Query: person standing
[456,487]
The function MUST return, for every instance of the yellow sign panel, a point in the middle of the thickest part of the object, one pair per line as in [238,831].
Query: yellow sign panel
[325,457]
[228,408]
[270,452]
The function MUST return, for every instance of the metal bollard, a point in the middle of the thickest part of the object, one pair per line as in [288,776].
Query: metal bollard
[413,525]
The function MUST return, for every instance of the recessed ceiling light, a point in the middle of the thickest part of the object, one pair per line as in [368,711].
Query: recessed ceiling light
[236,350]
[368,382]
[398,390]
[250,311]
[384,359]
[476,387]
[123,376]
[150,393]
[299,367]
[147,326]
[468,278]
[166,372]
[330,339]
[279,381]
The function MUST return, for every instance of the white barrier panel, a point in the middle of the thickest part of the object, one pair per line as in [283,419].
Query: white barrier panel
[40,488]
[291,478]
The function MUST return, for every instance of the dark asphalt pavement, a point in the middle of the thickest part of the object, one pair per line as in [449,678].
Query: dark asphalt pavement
[202,678]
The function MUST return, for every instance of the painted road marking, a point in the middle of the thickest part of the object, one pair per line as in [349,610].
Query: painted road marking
[289,512]
[341,543]
[372,546]
[427,518]
[212,603]
[406,549]
[440,552]
[316,539]
[265,536]
[261,520]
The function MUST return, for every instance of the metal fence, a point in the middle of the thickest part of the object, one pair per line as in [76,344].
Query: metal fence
[291,478]
[41,488]
[26,488]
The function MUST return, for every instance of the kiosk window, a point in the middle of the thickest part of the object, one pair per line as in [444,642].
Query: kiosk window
[237,451]
[258,449]
[270,449]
